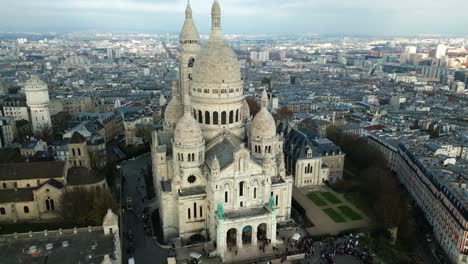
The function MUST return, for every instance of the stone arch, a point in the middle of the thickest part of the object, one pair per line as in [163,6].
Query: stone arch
[207,117]
[215,118]
[223,118]
[196,238]
[247,235]
[231,117]
[200,117]
[241,188]
[261,232]
[231,237]
[190,62]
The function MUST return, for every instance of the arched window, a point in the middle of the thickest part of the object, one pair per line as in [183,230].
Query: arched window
[201,211]
[195,114]
[189,157]
[223,118]
[4,185]
[255,193]
[276,200]
[237,115]
[73,152]
[241,189]
[47,204]
[188,213]
[79,152]
[191,62]
[193,156]
[207,117]
[200,117]
[215,118]
[26,210]
[194,210]
[231,117]
[2,211]
[225,196]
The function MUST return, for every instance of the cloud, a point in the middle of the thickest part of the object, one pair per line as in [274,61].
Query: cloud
[241,16]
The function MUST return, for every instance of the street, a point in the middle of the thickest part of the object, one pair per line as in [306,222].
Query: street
[137,241]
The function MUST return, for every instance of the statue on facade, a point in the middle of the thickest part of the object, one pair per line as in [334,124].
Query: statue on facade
[271,203]
[220,211]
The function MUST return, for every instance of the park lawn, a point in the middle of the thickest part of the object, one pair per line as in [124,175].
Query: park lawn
[316,199]
[330,197]
[350,213]
[334,215]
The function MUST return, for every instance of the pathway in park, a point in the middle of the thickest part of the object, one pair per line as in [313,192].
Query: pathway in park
[323,224]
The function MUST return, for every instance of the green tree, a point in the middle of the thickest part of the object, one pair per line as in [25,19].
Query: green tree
[82,207]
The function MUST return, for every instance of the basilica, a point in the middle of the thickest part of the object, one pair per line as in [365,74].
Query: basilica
[219,174]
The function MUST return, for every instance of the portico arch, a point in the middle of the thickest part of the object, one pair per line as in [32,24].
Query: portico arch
[261,231]
[231,238]
[247,235]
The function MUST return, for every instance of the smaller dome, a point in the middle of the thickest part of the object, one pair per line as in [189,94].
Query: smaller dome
[263,124]
[187,131]
[174,110]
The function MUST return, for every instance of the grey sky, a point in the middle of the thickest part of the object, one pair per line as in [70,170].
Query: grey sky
[381,17]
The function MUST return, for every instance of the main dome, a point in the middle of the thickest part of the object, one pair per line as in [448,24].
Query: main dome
[216,63]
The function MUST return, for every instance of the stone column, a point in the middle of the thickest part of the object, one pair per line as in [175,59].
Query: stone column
[239,238]
[254,236]
[220,238]
[273,228]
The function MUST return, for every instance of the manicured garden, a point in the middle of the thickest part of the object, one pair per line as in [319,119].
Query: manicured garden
[349,213]
[334,215]
[330,197]
[316,198]
[336,210]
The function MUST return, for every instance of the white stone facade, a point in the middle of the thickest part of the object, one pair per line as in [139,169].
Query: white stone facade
[37,99]
[210,179]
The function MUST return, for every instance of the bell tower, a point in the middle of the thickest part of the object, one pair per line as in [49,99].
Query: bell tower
[190,45]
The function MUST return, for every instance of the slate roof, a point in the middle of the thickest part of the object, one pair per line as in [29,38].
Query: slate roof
[223,151]
[77,138]
[79,176]
[20,195]
[298,141]
[32,170]
[53,182]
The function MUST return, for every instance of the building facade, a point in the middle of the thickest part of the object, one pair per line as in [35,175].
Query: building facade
[37,99]
[312,160]
[218,174]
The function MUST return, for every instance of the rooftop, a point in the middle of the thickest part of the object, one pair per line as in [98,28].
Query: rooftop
[83,247]
[32,170]
[79,176]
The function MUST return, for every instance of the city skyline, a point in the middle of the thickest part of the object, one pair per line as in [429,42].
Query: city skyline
[363,17]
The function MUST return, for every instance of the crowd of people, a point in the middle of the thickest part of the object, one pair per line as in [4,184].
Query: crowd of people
[330,247]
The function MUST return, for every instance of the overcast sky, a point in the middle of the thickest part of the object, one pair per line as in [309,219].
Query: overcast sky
[373,17]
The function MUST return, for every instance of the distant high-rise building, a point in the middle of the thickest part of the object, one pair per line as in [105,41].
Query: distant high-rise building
[114,53]
[259,56]
[405,57]
[37,99]
[440,52]
[168,39]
